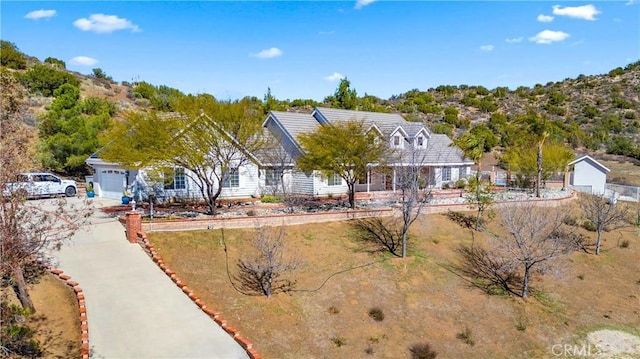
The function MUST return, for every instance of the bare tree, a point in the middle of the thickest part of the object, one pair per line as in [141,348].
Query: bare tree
[411,194]
[603,213]
[28,231]
[534,238]
[264,273]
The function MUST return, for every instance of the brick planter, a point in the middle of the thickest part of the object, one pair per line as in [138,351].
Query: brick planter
[84,326]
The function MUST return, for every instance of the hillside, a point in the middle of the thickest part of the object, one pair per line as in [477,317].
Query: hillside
[592,113]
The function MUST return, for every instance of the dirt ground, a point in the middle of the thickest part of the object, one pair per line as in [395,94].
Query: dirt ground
[422,299]
[56,320]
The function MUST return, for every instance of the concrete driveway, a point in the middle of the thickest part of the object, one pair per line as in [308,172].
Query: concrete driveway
[134,310]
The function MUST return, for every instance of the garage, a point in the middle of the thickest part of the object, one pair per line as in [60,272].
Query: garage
[112,183]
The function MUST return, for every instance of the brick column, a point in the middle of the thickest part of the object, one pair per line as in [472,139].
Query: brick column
[133,225]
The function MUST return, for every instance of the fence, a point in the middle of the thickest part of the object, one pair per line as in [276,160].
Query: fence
[624,193]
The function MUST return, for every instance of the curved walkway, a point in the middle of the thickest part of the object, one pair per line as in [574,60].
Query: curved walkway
[134,310]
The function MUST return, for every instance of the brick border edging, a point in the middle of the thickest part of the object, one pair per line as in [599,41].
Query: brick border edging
[84,326]
[247,345]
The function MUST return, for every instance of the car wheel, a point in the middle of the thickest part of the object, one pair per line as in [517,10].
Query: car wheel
[70,191]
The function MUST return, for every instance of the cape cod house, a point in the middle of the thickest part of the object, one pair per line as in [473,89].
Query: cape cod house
[272,169]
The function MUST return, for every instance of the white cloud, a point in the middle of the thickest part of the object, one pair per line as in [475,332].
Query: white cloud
[104,24]
[548,36]
[585,12]
[336,76]
[326,32]
[40,14]
[362,3]
[268,53]
[486,48]
[83,61]
[514,40]
[631,2]
[545,18]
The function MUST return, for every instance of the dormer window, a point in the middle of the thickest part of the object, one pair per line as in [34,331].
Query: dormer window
[420,142]
[397,141]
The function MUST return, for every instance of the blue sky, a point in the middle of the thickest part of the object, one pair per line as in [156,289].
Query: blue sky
[301,49]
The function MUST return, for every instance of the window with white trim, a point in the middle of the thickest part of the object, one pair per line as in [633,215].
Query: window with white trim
[231,178]
[334,180]
[446,174]
[272,176]
[420,142]
[463,172]
[396,141]
[175,179]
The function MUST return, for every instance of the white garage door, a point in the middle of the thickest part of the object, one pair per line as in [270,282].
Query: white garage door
[112,183]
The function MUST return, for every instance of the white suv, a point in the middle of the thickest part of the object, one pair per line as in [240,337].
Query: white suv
[44,184]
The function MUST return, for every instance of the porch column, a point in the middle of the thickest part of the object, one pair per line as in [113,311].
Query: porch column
[394,179]
[368,179]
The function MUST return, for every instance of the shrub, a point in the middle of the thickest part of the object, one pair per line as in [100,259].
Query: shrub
[570,220]
[333,310]
[271,199]
[625,243]
[422,351]
[11,57]
[251,213]
[376,314]
[589,226]
[465,336]
[338,341]
[15,336]
[45,79]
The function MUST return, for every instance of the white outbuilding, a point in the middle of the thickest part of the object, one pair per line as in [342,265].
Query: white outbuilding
[589,175]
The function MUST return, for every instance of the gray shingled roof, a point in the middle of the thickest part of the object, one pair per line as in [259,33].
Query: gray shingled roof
[386,122]
[296,123]
[439,151]
[439,147]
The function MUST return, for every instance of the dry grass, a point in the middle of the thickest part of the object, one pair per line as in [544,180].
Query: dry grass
[56,322]
[422,299]
[623,172]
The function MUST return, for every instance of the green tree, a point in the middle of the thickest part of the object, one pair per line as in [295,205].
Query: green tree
[344,148]
[69,130]
[11,57]
[523,159]
[473,146]
[270,103]
[490,140]
[55,63]
[45,79]
[345,97]
[539,129]
[100,74]
[210,139]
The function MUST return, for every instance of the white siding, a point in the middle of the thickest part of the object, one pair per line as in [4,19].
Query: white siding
[248,186]
[301,183]
[286,180]
[585,174]
[322,188]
